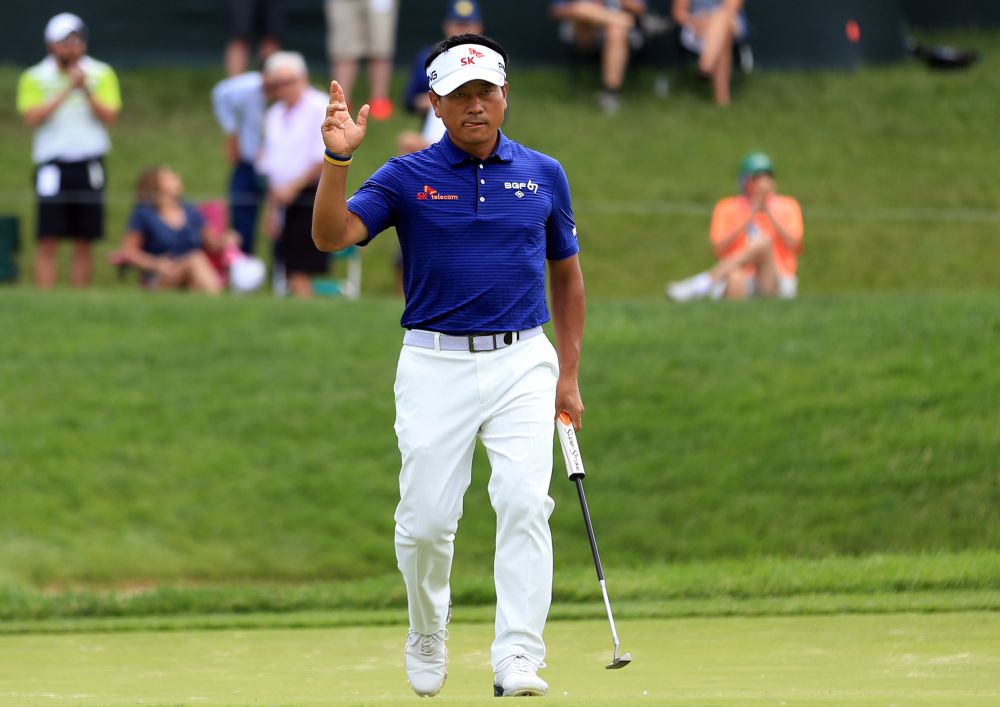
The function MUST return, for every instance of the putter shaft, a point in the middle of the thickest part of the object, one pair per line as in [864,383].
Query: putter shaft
[575,471]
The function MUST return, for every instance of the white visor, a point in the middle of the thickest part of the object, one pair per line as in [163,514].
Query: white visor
[466,62]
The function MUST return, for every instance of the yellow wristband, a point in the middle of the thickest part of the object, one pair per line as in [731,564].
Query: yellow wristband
[337,160]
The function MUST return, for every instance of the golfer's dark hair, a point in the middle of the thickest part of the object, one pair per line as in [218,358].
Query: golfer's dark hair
[459,39]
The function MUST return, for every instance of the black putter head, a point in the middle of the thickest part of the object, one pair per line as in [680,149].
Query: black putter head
[619,662]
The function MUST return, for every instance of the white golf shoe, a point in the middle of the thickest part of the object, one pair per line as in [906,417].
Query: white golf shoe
[426,661]
[517,676]
[692,288]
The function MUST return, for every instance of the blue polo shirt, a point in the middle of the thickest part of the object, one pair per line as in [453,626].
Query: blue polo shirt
[475,235]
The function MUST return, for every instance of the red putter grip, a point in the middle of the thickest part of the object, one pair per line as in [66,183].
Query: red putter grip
[570,448]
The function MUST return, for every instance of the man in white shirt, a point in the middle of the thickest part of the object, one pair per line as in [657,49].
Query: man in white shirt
[292,161]
[70,99]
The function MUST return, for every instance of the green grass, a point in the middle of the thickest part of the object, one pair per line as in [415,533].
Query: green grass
[173,462]
[888,163]
[844,660]
[165,441]
[739,587]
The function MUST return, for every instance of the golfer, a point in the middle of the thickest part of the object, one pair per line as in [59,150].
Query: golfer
[479,217]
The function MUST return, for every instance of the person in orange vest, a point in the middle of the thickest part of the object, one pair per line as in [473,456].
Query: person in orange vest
[757,238]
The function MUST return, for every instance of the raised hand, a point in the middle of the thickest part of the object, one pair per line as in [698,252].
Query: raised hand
[341,134]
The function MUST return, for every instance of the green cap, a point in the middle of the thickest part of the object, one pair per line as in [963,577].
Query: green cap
[756,163]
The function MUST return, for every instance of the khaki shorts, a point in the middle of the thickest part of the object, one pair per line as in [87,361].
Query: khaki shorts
[361,29]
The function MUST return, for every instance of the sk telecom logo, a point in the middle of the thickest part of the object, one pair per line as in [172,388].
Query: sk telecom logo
[431,194]
[473,55]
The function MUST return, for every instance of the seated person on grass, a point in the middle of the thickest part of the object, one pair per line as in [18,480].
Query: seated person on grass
[757,237]
[165,237]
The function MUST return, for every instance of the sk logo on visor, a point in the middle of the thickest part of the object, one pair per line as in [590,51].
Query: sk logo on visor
[473,55]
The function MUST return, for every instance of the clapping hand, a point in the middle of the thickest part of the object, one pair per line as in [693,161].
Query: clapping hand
[342,135]
[77,78]
[761,190]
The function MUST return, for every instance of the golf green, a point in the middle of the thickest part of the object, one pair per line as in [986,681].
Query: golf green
[903,659]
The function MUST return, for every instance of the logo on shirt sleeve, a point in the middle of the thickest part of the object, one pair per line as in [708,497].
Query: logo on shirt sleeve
[432,194]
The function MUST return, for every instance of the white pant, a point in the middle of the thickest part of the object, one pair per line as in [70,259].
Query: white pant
[444,400]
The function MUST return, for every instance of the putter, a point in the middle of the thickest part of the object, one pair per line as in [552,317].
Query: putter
[574,468]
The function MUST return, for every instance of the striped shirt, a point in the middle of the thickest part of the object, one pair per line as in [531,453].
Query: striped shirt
[475,235]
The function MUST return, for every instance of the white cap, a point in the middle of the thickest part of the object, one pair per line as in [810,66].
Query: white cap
[465,62]
[63,25]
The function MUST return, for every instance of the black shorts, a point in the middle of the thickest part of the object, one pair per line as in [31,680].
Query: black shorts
[70,199]
[256,18]
[296,245]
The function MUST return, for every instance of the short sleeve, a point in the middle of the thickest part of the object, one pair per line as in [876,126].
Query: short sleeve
[726,218]
[222,105]
[107,90]
[29,93]
[375,203]
[560,229]
[789,215]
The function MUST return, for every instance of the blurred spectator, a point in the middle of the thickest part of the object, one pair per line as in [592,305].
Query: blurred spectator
[71,99]
[709,28]
[462,17]
[292,161]
[250,19]
[603,25]
[239,103]
[166,235]
[757,237]
[221,244]
[363,29]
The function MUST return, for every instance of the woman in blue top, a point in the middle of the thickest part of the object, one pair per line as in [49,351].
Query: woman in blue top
[165,236]
[709,28]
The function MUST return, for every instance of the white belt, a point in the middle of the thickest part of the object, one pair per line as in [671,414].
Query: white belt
[473,343]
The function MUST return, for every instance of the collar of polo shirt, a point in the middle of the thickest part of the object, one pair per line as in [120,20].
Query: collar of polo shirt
[463,63]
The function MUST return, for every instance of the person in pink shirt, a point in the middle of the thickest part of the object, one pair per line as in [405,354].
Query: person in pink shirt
[292,160]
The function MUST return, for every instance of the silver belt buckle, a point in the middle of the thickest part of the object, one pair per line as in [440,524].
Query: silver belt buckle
[506,339]
[472,343]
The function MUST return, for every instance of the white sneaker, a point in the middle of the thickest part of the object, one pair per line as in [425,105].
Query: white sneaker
[426,662]
[517,676]
[692,288]
[610,102]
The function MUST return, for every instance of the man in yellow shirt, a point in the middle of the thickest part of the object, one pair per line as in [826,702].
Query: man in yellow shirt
[757,237]
[70,99]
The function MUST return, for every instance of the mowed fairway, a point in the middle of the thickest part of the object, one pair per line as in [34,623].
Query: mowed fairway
[904,659]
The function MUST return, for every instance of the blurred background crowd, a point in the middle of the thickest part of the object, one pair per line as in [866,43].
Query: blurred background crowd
[275,58]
